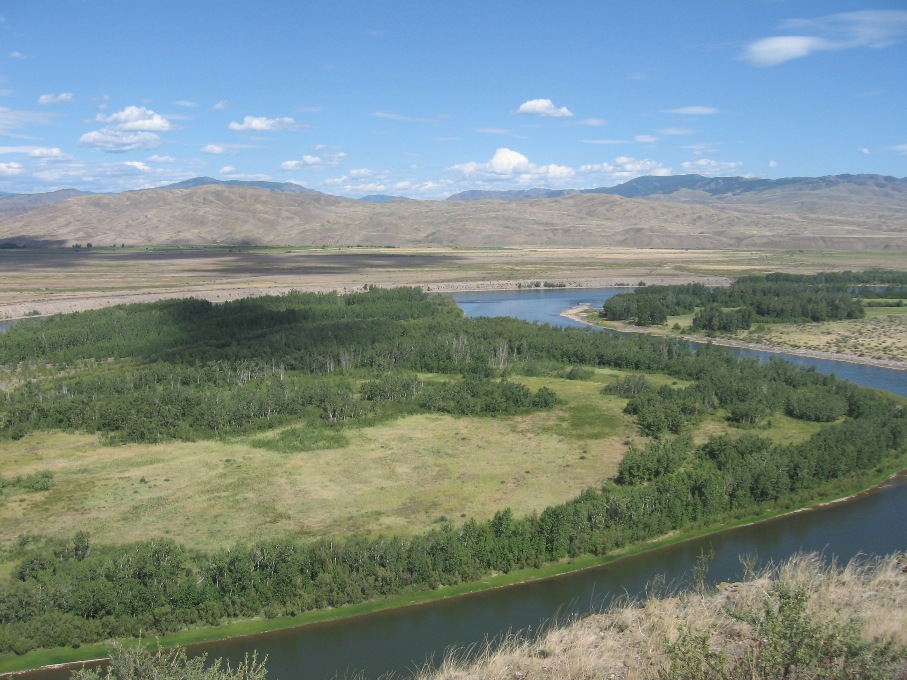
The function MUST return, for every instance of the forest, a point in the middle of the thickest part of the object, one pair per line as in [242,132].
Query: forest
[188,369]
[773,298]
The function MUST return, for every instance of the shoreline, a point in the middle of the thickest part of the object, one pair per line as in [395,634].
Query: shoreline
[575,314]
[262,626]
[16,311]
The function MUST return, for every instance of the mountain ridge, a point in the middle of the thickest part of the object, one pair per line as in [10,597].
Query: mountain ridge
[223,214]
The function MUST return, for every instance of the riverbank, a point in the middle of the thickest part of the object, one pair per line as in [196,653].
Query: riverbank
[579,314]
[27,665]
[669,633]
[62,304]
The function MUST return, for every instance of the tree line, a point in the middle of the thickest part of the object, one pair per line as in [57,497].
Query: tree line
[773,298]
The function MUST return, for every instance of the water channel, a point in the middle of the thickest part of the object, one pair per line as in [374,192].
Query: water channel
[399,641]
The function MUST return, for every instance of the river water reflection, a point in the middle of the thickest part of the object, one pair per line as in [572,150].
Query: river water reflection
[401,640]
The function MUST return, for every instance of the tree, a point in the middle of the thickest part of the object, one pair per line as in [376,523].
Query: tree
[138,663]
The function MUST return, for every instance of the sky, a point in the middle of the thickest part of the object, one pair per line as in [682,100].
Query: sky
[427,98]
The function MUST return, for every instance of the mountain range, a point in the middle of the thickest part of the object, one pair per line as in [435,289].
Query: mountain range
[841,212]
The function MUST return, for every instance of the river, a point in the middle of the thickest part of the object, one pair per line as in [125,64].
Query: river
[401,640]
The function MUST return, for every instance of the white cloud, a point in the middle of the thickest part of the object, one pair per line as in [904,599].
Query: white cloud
[214,149]
[711,168]
[138,165]
[694,110]
[135,118]
[16,54]
[9,169]
[773,164]
[45,152]
[185,104]
[846,30]
[388,115]
[227,170]
[900,148]
[509,164]
[543,107]
[645,139]
[221,105]
[863,150]
[669,132]
[329,160]
[230,172]
[262,124]
[161,159]
[625,168]
[593,122]
[119,141]
[493,131]
[61,98]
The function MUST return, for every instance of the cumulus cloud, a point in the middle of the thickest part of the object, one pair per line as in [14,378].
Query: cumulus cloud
[543,107]
[138,165]
[773,164]
[61,98]
[694,110]
[227,169]
[711,168]
[161,159]
[214,149]
[624,168]
[221,105]
[510,164]
[846,30]
[135,118]
[325,160]
[263,124]
[119,141]
[44,152]
[9,169]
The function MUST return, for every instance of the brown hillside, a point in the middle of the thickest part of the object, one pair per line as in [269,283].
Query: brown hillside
[210,215]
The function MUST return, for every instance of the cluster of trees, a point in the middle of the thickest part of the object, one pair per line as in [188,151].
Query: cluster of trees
[72,592]
[774,298]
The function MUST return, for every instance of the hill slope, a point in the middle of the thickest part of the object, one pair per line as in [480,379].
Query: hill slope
[241,215]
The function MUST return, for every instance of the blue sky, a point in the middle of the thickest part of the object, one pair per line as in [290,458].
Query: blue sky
[425,99]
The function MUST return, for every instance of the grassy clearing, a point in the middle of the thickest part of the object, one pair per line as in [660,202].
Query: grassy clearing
[399,476]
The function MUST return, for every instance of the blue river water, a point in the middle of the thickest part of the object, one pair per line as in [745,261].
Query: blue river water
[546,305]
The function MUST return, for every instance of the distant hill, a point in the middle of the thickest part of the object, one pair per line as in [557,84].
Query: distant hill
[382,198]
[288,187]
[514,195]
[19,204]
[696,188]
[836,215]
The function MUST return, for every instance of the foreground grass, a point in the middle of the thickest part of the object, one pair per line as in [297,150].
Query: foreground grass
[728,632]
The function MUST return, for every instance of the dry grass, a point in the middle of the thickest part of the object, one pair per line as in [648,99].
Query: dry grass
[399,477]
[59,280]
[629,642]
[881,335]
